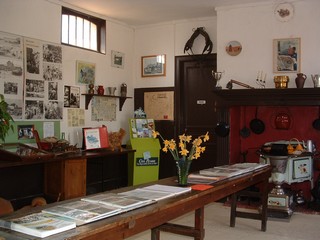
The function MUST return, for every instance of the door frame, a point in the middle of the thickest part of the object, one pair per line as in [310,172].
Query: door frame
[179,62]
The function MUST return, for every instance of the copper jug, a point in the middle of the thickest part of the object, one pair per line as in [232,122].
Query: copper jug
[300,79]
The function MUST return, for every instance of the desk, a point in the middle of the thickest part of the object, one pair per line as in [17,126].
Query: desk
[128,224]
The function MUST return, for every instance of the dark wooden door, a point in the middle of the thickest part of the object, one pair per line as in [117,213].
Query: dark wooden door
[194,101]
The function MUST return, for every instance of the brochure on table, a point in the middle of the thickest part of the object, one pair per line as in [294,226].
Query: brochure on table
[38,224]
[144,162]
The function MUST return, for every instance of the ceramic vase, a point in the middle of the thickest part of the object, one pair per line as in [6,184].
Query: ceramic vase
[100,90]
[300,79]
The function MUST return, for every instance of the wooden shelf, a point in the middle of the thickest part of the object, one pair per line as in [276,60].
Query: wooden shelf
[268,97]
[88,98]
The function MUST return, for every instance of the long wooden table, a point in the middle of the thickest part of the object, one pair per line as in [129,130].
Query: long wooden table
[159,214]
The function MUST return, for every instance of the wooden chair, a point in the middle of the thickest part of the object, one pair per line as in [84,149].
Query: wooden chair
[261,214]
[5,207]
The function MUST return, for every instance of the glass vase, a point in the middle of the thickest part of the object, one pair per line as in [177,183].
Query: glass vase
[183,167]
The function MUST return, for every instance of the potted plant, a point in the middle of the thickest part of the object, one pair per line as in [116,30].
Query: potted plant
[5,119]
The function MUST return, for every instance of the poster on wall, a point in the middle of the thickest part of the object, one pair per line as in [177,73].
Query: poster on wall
[103,109]
[76,117]
[43,80]
[11,72]
[31,77]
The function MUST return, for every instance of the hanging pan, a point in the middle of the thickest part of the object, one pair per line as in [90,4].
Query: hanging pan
[245,131]
[316,122]
[256,125]
[222,129]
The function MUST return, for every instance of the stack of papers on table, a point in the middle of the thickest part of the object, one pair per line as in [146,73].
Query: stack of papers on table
[231,170]
[156,192]
[38,224]
[197,178]
[118,201]
[82,212]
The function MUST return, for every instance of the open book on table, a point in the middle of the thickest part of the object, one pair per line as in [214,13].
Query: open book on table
[83,212]
[38,224]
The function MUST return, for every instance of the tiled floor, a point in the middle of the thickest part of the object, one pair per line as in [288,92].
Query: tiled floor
[299,227]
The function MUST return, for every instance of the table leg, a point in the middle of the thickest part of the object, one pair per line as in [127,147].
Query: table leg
[264,207]
[155,234]
[233,210]
[199,223]
[197,232]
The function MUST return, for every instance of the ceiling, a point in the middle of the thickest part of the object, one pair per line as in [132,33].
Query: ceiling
[143,12]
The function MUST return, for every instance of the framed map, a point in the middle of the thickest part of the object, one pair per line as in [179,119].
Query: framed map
[159,105]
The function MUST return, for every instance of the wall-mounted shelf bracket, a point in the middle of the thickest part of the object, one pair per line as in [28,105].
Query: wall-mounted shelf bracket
[88,98]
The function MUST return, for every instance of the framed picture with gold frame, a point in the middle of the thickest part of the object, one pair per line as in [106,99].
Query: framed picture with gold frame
[286,55]
[153,66]
[85,72]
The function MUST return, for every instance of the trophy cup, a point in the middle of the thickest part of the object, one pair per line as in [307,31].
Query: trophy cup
[216,77]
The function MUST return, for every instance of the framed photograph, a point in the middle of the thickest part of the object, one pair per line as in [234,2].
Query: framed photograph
[95,138]
[25,131]
[71,97]
[286,55]
[117,59]
[153,66]
[85,72]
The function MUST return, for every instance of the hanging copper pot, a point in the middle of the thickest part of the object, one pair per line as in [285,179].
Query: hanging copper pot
[282,121]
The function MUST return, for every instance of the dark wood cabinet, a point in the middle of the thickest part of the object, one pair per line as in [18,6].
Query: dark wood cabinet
[63,177]
[106,173]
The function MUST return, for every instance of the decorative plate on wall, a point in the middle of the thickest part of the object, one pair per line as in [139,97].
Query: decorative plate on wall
[284,12]
[233,48]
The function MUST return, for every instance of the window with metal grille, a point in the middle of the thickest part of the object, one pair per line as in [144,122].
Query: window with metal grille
[83,31]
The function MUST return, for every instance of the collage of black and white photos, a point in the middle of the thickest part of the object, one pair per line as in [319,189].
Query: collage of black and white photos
[31,78]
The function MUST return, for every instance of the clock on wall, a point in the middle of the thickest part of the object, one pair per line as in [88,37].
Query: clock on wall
[284,12]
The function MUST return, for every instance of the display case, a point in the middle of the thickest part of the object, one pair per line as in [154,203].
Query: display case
[22,152]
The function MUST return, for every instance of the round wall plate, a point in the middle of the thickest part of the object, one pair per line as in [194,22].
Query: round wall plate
[284,12]
[233,48]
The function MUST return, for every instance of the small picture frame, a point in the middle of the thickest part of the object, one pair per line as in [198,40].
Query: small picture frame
[153,66]
[71,97]
[25,132]
[85,72]
[286,55]
[117,59]
[95,138]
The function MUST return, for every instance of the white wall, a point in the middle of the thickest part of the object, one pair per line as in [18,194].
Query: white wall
[41,20]
[170,39]
[255,27]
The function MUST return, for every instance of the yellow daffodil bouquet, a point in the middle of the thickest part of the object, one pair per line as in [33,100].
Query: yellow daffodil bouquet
[181,154]
[181,150]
